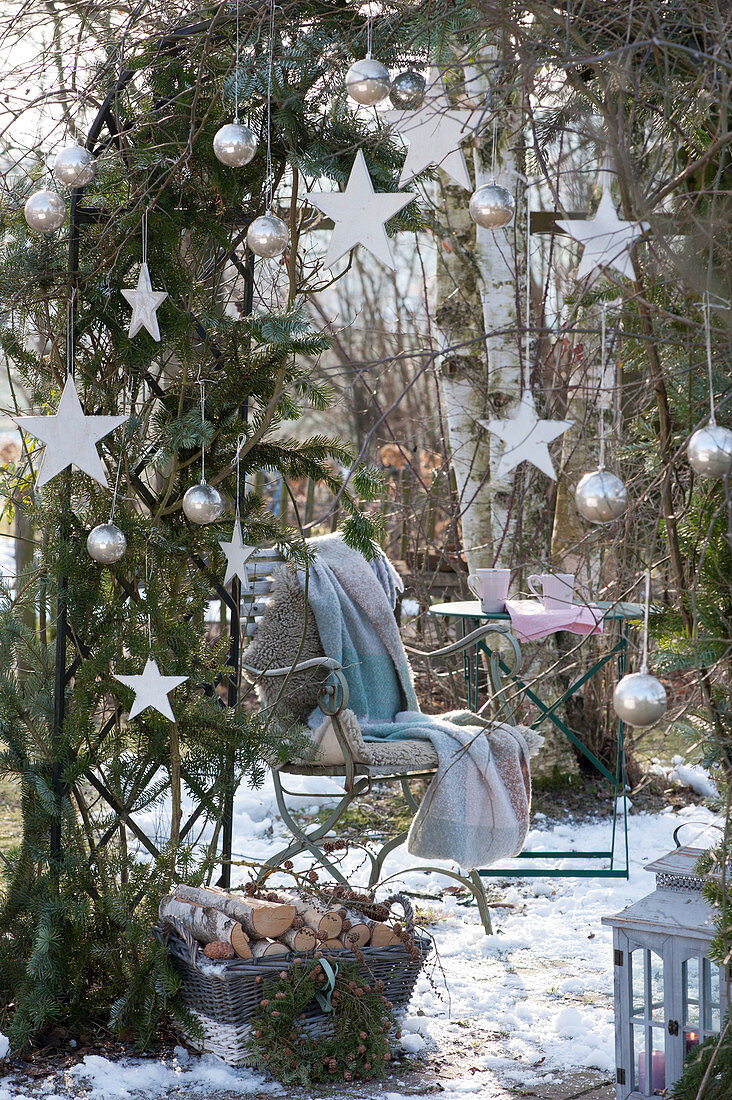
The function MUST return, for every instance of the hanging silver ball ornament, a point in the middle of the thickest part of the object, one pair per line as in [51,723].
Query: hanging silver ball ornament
[202,503]
[639,699]
[45,211]
[710,451]
[407,90]
[492,206]
[601,497]
[235,145]
[75,166]
[367,81]
[268,236]
[106,544]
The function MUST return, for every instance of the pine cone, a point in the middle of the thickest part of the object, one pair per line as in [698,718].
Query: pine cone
[219,950]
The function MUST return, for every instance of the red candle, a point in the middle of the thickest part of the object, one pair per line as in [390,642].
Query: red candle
[658,1071]
[692,1040]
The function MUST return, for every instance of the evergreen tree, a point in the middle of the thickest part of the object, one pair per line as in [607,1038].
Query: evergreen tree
[80,908]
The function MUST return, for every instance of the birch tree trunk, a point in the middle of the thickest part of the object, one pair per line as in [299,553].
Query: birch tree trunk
[480,371]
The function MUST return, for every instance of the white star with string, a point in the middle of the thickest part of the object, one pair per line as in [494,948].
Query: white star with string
[237,556]
[606,238]
[525,438]
[70,437]
[145,302]
[151,689]
[434,134]
[359,214]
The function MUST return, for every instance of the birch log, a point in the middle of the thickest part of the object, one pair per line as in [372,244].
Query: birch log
[207,924]
[260,918]
[325,922]
[300,939]
[265,948]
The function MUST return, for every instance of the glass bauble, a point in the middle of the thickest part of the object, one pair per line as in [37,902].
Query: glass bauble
[235,145]
[45,211]
[710,451]
[492,206]
[639,699]
[367,81]
[106,544]
[75,166]
[407,90]
[601,497]
[203,504]
[268,236]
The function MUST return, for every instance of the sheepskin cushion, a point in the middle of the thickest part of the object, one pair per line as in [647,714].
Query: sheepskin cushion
[279,642]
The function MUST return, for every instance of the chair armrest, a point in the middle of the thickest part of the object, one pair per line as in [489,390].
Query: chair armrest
[314,662]
[472,639]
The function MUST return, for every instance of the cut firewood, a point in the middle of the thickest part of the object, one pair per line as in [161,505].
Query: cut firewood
[358,933]
[326,921]
[300,939]
[334,945]
[260,918]
[383,936]
[207,924]
[262,948]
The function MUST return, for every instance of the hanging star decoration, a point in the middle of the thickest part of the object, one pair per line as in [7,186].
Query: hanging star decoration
[237,556]
[606,238]
[434,134]
[151,689]
[359,214]
[145,302]
[525,438]
[70,437]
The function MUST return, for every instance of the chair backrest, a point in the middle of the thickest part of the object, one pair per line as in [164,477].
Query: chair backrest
[260,567]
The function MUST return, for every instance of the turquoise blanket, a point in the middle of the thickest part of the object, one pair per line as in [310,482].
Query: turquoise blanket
[476,809]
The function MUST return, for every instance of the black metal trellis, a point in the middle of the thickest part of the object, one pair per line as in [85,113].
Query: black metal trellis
[78,215]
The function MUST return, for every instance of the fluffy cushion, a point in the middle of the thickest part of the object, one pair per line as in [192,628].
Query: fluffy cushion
[279,641]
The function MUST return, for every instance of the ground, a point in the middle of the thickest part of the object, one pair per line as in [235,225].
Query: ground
[525,1012]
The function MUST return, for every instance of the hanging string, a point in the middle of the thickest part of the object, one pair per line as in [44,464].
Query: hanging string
[201,382]
[526,381]
[147,600]
[369,17]
[603,329]
[236,69]
[242,440]
[70,318]
[270,63]
[710,375]
[144,239]
[493,149]
[644,658]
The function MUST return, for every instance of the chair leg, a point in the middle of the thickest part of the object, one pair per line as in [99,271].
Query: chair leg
[307,841]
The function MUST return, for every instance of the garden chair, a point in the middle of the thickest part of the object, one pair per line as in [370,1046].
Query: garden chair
[357,763]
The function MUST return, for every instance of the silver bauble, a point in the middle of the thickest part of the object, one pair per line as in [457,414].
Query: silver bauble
[367,81]
[601,496]
[639,699]
[710,451]
[106,543]
[268,236]
[202,503]
[492,206]
[407,90]
[75,166]
[235,145]
[45,211]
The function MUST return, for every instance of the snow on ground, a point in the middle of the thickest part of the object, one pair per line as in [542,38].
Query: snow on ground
[524,1005]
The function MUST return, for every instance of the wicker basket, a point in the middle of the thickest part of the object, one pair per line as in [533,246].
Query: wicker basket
[223,995]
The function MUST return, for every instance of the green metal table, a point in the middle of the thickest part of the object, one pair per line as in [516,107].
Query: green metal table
[503,679]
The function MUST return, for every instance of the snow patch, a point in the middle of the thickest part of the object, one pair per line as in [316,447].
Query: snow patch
[128,1077]
[4,1045]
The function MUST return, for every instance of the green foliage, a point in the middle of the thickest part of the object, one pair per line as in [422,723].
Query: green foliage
[116,792]
[717,1086]
[355,1044]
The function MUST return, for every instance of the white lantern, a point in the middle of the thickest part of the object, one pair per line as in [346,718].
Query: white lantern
[669,995]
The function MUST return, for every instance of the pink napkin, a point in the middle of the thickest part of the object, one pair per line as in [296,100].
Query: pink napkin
[530,619]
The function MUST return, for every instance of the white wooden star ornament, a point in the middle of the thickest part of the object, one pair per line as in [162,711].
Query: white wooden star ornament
[145,302]
[151,689]
[525,438]
[359,214]
[70,437]
[606,238]
[237,556]
[434,134]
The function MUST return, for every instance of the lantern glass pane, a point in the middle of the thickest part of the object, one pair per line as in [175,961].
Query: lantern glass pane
[656,971]
[638,986]
[711,999]
[649,1060]
[690,984]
